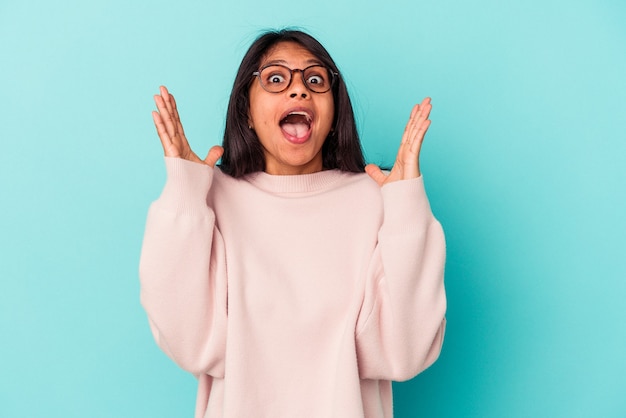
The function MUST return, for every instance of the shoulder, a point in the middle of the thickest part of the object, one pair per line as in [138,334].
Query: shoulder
[357,191]
[361,182]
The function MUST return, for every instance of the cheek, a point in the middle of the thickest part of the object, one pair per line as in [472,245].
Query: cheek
[263,116]
[330,112]
[257,107]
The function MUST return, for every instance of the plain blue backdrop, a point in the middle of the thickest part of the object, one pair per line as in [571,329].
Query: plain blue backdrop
[524,165]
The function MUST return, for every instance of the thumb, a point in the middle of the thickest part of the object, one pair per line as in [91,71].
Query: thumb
[376,173]
[215,153]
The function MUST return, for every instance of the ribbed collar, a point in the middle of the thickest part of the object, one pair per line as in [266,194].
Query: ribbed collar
[303,183]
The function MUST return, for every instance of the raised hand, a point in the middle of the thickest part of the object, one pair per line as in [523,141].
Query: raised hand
[406,165]
[171,132]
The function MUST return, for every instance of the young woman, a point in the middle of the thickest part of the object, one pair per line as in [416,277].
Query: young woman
[288,280]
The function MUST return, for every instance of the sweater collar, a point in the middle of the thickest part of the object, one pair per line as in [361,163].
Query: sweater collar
[302,183]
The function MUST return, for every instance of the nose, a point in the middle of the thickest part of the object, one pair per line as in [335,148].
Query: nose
[297,87]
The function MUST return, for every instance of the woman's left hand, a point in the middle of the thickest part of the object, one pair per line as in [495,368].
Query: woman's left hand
[406,165]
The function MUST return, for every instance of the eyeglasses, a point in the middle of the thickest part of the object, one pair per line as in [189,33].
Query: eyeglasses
[276,78]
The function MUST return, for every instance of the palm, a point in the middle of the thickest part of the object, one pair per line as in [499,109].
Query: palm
[406,165]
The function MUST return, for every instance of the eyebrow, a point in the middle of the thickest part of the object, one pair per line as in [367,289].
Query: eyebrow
[311,61]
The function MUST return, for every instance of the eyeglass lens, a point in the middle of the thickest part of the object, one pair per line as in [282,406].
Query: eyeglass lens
[277,78]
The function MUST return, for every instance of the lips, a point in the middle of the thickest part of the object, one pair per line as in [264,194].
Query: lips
[296,124]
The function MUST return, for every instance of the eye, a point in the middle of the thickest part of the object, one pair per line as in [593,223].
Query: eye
[315,79]
[275,78]
[274,75]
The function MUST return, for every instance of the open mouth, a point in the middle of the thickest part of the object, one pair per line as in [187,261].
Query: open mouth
[297,125]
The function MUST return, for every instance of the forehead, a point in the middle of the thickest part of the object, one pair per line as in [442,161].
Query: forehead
[289,53]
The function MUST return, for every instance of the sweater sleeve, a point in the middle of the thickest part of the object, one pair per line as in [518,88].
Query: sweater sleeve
[402,322]
[182,271]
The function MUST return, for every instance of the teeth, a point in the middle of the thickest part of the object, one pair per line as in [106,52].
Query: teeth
[308,117]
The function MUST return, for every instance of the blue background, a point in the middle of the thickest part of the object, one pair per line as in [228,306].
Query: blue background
[524,165]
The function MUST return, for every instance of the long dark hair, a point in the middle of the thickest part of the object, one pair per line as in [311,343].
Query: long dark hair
[243,153]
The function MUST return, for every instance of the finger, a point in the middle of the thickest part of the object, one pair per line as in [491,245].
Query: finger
[215,153]
[180,132]
[414,119]
[408,153]
[166,116]
[418,118]
[419,122]
[407,137]
[179,125]
[425,109]
[408,126]
[167,97]
[424,113]
[419,137]
[168,101]
[166,141]
[376,174]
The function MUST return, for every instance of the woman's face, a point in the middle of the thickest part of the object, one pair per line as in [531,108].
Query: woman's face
[291,125]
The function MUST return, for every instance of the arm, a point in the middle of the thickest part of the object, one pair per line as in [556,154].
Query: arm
[402,322]
[183,282]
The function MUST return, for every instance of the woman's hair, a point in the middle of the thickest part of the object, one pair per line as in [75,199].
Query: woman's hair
[243,153]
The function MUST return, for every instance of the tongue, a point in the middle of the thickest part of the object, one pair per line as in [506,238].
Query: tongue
[298,130]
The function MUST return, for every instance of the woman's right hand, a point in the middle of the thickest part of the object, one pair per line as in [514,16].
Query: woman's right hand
[171,132]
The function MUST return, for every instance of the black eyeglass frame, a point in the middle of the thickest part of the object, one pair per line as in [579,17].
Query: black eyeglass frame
[333,76]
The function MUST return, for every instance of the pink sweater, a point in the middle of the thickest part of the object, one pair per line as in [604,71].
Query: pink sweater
[293,296]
